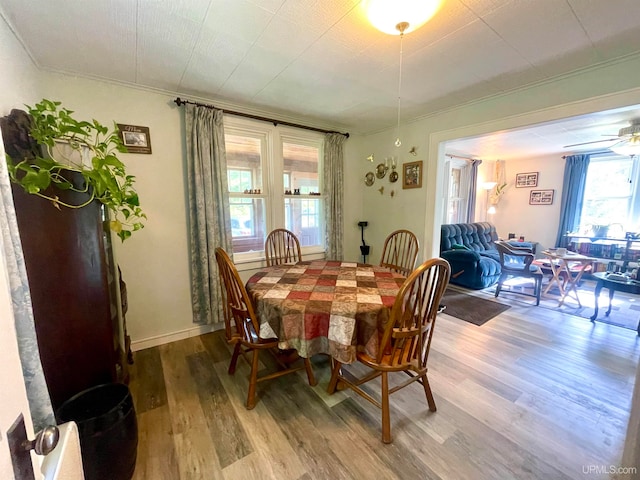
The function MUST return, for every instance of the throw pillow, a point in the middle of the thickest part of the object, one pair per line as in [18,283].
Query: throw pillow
[457,246]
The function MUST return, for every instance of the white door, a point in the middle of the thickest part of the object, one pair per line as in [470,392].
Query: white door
[13,399]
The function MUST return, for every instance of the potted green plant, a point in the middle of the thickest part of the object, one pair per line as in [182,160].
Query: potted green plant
[87,148]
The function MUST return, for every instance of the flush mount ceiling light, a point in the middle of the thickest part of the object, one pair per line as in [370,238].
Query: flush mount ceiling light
[387,15]
[397,17]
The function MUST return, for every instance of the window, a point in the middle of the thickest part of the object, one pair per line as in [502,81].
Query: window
[264,162]
[457,190]
[611,192]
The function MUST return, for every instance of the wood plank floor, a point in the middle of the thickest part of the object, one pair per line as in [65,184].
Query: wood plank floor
[530,394]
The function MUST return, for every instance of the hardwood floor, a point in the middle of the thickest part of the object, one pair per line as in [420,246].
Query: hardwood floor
[530,394]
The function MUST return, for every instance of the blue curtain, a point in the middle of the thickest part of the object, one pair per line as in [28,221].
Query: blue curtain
[575,178]
[473,185]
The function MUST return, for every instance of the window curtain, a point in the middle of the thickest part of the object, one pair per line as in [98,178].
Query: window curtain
[333,180]
[575,178]
[36,387]
[473,186]
[209,217]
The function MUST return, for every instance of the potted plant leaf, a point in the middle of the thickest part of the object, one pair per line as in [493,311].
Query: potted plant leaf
[68,148]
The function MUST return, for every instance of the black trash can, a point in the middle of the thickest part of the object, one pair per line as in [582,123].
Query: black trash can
[108,430]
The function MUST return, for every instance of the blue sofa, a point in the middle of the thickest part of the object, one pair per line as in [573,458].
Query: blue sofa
[470,250]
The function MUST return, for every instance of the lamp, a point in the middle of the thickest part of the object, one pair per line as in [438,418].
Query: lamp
[397,17]
[491,209]
[629,147]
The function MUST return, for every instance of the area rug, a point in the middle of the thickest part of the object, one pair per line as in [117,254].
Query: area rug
[625,310]
[471,308]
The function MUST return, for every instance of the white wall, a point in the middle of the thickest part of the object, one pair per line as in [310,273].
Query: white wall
[605,87]
[18,75]
[538,223]
[386,213]
[154,261]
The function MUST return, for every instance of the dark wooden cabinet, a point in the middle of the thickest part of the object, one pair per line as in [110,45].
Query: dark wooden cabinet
[74,286]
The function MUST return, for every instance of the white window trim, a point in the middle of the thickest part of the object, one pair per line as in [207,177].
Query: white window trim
[465,180]
[273,138]
[633,213]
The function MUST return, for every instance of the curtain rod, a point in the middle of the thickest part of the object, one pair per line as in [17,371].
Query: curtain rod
[178,101]
[464,158]
[600,152]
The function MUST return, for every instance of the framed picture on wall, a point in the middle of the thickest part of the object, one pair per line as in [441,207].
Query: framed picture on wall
[541,197]
[412,174]
[529,179]
[135,138]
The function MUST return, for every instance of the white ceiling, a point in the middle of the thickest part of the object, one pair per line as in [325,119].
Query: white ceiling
[597,131]
[320,59]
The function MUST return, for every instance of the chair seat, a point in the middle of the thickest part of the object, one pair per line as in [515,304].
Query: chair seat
[518,262]
[404,344]
[533,270]
[393,363]
[242,331]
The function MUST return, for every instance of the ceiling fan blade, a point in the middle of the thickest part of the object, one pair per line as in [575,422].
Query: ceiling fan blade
[588,143]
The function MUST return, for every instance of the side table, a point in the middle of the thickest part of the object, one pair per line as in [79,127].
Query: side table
[567,271]
[630,286]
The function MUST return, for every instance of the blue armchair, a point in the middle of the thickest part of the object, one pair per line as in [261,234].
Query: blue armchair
[470,250]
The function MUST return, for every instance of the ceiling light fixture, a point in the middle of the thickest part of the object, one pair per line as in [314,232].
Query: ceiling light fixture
[386,15]
[397,17]
[629,147]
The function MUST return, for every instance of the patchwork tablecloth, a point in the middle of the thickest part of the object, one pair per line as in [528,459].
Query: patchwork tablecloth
[324,306]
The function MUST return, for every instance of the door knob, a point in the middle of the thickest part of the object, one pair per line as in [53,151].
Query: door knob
[20,446]
[45,441]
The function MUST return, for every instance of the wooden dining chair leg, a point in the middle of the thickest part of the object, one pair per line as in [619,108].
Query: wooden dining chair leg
[386,418]
[310,376]
[333,383]
[237,349]
[253,380]
[428,393]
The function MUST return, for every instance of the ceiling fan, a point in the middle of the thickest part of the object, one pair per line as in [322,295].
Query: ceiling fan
[627,142]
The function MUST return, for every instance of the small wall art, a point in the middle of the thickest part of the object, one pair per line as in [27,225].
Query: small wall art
[369,179]
[541,197]
[529,179]
[135,138]
[412,175]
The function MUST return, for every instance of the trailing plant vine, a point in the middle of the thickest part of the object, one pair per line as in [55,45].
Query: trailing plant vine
[88,148]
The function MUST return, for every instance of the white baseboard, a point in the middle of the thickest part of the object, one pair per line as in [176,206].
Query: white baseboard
[174,336]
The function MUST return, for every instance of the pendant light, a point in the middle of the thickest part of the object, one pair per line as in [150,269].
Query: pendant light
[397,17]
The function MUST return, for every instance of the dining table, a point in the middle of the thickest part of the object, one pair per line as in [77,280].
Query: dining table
[325,306]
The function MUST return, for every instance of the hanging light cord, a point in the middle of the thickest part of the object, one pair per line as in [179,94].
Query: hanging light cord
[401,28]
